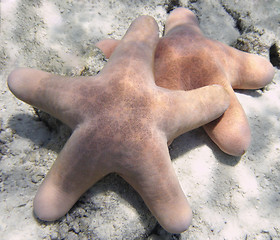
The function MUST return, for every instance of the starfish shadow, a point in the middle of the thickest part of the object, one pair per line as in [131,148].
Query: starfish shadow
[187,142]
[223,157]
[197,138]
[112,185]
[29,127]
[252,93]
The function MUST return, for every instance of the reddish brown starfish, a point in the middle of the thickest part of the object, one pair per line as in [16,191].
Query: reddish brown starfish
[185,59]
[121,123]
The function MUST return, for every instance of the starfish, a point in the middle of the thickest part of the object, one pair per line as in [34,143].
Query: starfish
[185,59]
[121,122]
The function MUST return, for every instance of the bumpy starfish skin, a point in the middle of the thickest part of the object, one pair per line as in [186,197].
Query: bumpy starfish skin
[185,59]
[121,123]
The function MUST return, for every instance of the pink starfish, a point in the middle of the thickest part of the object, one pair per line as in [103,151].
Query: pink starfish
[121,123]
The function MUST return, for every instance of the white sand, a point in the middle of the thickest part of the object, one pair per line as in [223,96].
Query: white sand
[231,198]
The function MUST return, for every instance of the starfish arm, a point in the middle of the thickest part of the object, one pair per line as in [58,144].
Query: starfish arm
[155,180]
[136,51]
[253,71]
[231,132]
[182,17]
[192,109]
[107,46]
[75,170]
[48,92]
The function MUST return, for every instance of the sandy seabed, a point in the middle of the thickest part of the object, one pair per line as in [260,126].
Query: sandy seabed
[231,198]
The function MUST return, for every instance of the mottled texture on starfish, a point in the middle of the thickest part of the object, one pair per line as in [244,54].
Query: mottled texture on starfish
[185,59]
[121,123]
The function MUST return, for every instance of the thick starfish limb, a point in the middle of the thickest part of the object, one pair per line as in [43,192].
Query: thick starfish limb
[182,17]
[75,170]
[254,71]
[231,132]
[134,33]
[48,92]
[107,46]
[137,47]
[163,195]
[192,109]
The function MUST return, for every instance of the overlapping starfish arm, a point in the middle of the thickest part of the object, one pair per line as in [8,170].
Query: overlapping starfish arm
[121,123]
[194,108]
[107,46]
